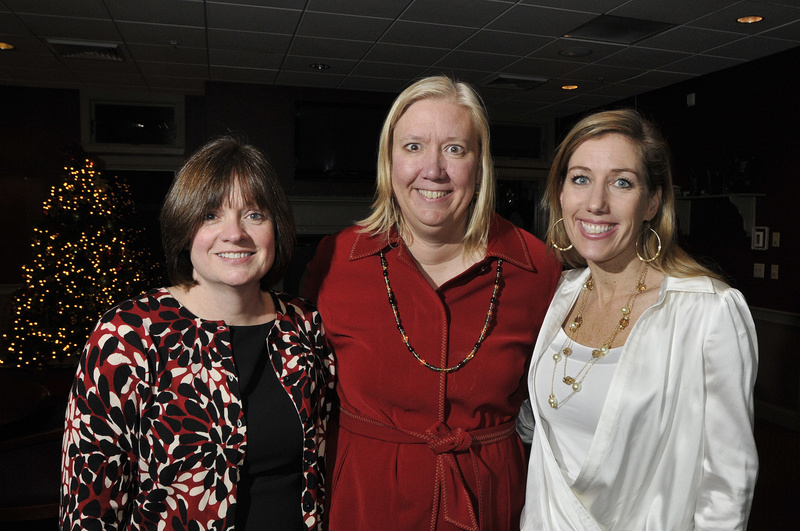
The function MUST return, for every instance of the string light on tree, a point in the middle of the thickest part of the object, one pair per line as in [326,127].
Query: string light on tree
[85,260]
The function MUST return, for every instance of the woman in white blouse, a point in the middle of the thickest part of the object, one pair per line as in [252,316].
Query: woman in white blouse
[641,383]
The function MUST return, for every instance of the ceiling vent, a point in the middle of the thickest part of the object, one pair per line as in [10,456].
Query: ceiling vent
[506,81]
[102,51]
[618,30]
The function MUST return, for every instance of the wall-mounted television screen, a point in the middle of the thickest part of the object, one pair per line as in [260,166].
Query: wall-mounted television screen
[336,142]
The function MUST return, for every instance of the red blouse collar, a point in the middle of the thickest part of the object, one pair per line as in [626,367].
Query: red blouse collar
[505,241]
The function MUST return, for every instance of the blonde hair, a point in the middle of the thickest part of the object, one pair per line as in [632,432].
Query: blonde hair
[386,212]
[656,161]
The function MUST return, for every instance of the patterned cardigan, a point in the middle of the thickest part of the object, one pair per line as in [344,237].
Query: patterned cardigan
[155,433]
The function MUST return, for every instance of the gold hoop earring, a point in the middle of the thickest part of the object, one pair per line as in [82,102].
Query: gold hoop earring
[553,242]
[658,251]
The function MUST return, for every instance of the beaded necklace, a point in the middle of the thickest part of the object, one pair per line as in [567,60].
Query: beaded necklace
[396,312]
[576,382]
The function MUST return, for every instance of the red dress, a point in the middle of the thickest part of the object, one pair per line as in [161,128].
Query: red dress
[416,449]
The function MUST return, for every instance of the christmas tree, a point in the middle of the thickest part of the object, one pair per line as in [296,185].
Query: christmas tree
[86,259]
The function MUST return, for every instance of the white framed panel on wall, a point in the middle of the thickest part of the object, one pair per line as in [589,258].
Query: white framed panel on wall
[133,124]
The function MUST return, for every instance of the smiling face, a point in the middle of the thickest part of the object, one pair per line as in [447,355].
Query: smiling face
[234,247]
[435,165]
[605,200]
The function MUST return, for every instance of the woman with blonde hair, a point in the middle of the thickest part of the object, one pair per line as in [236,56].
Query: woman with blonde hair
[641,384]
[432,305]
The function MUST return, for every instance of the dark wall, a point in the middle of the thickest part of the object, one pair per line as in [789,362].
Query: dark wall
[741,136]
[37,127]
[265,114]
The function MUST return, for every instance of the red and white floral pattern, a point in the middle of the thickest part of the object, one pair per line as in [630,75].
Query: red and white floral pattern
[155,432]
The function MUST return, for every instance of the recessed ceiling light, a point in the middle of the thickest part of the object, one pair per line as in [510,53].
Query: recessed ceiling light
[749,20]
[6,46]
[569,87]
[319,66]
[575,52]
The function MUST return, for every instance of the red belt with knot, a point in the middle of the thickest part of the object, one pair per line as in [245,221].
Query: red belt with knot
[445,443]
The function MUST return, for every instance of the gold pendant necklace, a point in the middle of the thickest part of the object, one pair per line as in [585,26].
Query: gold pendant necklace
[486,323]
[576,382]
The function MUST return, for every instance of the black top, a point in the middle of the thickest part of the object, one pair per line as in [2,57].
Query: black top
[268,495]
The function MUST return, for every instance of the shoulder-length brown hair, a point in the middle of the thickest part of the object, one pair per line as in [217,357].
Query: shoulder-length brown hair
[656,160]
[203,184]
[386,213]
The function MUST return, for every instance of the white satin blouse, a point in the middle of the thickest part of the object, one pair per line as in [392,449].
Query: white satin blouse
[673,449]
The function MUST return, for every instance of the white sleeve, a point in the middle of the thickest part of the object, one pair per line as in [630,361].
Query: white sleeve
[730,461]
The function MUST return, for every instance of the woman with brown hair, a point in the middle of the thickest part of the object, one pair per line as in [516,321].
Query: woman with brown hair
[641,384]
[204,405]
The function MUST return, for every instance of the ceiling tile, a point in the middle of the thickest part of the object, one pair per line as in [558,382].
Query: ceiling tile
[423,34]
[252,18]
[590,6]
[725,18]
[466,13]
[688,39]
[333,48]
[384,45]
[248,41]
[531,66]
[270,61]
[24,60]
[604,73]
[634,56]
[672,11]
[24,44]
[542,21]
[409,55]
[656,78]
[10,25]
[375,84]
[751,48]
[83,29]
[46,76]
[179,12]
[701,64]
[169,54]
[476,61]
[467,76]
[313,79]
[620,91]
[159,69]
[302,64]
[503,42]
[387,70]
[243,75]
[82,9]
[789,31]
[598,50]
[139,33]
[372,8]
[342,26]
[283,4]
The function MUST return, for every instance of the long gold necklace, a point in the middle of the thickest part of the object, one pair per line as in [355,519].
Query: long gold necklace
[486,323]
[576,382]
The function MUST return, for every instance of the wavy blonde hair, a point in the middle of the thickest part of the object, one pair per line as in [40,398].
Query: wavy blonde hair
[386,212]
[655,158]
